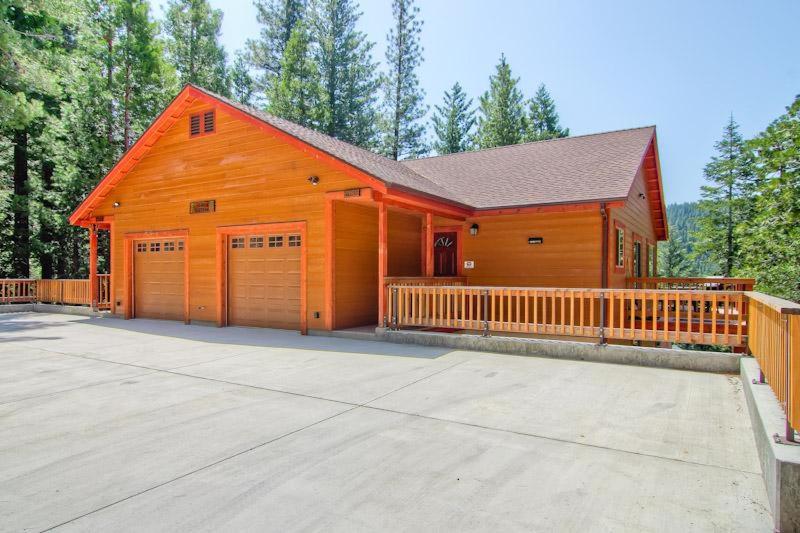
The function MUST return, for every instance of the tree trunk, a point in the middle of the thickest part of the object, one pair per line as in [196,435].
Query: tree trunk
[110,86]
[729,235]
[21,251]
[47,233]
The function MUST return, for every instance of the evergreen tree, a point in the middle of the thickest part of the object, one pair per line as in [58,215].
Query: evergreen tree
[295,93]
[721,209]
[193,29]
[672,258]
[347,73]
[242,84]
[770,240]
[31,39]
[502,116]
[402,131]
[453,122]
[277,18]
[543,122]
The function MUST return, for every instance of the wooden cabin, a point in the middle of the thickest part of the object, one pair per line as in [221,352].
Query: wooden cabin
[223,214]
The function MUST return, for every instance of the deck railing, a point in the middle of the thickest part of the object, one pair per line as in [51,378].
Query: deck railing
[774,340]
[55,291]
[427,281]
[639,315]
[699,284]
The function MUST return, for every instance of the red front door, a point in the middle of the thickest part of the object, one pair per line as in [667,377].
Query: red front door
[445,254]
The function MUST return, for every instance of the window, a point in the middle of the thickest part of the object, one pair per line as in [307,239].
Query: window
[141,247]
[169,246]
[275,241]
[237,242]
[637,259]
[294,241]
[155,246]
[180,246]
[620,247]
[202,123]
[257,241]
[651,260]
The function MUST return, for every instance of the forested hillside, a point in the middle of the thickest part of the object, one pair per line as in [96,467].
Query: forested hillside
[80,80]
[677,256]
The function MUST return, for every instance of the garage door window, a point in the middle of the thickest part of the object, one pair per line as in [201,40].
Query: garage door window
[294,241]
[257,241]
[155,247]
[237,242]
[169,246]
[141,247]
[275,241]
[180,246]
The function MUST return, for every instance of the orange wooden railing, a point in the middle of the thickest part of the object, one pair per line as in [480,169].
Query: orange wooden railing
[55,291]
[700,284]
[774,340]
[14,291]
[697,317]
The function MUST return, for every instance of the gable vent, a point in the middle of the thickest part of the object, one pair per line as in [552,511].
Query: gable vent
[202,206]
[194,125]
[208,122]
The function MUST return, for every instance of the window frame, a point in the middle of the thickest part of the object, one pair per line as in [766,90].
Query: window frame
[619,251]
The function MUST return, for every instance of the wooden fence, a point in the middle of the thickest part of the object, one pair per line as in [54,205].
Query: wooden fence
[697,284]
[774,340]
[639,315]
[55,291]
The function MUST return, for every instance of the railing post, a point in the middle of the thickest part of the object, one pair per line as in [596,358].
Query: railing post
[485,312]
[602,317]
[394,309]
[787,348]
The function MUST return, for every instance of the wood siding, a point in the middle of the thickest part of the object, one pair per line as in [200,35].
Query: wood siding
[253,177]
[356,273]
[405,240]
[636,219]
[570,255]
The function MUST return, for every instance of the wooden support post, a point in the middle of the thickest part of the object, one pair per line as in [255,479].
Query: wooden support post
[428,245]
[93,285]
[383,263]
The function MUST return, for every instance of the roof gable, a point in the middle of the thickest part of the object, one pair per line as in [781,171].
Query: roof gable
[583,169]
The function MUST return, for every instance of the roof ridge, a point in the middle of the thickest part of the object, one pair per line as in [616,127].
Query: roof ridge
[508,146]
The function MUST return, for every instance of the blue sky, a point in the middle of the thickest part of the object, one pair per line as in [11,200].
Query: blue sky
[683,66]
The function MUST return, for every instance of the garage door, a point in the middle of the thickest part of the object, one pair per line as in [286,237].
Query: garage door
[264,280]
[158,279]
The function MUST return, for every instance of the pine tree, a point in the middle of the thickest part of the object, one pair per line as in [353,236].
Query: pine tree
[295,93]
[402,131]
[31,37]
[770,239]
[502,116]
[721,208]
[347,73]
[242,84]
[543,122]
[453,122]
[193,29]
[277,18]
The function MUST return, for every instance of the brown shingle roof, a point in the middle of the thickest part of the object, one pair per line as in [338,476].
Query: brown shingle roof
[585,168]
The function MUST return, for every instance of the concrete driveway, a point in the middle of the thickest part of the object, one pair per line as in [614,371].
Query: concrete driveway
[108,425]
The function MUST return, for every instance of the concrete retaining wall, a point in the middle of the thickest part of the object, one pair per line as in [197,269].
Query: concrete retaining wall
[52,308]
[581,351]
[780,463]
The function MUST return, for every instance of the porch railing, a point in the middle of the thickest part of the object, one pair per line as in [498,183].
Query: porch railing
[428,281]
[640,315]
[699,284]
[774,340]
[56,291]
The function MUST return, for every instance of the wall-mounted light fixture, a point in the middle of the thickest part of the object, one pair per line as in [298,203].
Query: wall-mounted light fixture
[473,229]
[641,195]
[116,204]
[313,180]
